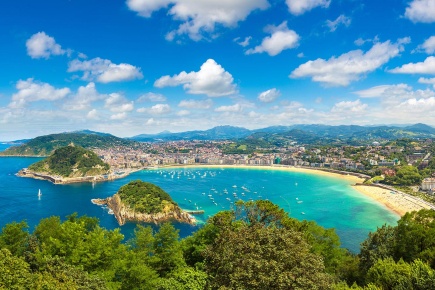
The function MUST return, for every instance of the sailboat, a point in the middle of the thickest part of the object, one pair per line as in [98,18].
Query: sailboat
[39,193]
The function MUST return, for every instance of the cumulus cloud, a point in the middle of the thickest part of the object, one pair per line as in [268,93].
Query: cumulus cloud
[341,20]
[421,11]
[84,97]
[199,17]
[281,38]
[211,80]
[40,45]
[428,46]
[183,113]
[425,67]
[350,66]
[118,103]
[158,109]
[298,7]
[269,95]
[104,71]
[92,114]
[349,106]
[118,116]
[193,104]
[152,97]
[32,91]
[232,109]
[428,81]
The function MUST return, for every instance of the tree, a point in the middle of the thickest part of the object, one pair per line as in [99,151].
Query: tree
[167,250]
[378,245]
[258,257]
[14,237]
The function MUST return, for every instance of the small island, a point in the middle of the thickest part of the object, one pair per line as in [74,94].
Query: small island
[69,164]
[144,202]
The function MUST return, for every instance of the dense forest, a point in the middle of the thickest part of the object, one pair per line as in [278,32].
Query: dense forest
[255,246]
[45,145]
[71,161]
[144,197]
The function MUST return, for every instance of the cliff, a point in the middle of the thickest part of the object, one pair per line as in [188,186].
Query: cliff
[124,213]
[144,202]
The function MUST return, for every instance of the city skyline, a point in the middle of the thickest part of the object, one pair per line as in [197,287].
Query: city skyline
[144,66]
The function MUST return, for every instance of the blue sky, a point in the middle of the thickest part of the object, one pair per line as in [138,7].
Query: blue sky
[143,66]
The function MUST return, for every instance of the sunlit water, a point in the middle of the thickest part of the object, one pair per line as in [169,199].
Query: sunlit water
[331,202]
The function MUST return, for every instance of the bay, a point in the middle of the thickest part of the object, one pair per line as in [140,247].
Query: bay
[329,201]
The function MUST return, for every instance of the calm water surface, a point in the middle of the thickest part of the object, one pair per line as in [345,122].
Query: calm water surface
[331,202]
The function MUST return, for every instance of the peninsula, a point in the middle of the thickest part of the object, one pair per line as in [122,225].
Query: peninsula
[69,164]
[144,202]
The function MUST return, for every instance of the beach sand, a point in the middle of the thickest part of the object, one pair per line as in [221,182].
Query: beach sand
[398,202]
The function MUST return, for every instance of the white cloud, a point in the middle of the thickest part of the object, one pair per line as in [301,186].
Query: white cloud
[31,91]
[298,7]
[427,81]
[244,42]
[341,20]
[428,45]
[151,121]
[104,71]
[146,7]
[421,11]
[300,55]
[118,103]
[152,97]
[425,67]
[350,66]
[119,116]
[183,113]
[199,17]
[92,114]
[360,41]
[40,45]
[349,106]
[233,108]
[383,90]
[281,38]
[193,104]
[211,80]
[83,98]
[158,109]
[269,95]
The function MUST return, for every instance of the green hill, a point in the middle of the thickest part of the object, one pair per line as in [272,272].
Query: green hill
[146,197]
[45,145]
[71,161]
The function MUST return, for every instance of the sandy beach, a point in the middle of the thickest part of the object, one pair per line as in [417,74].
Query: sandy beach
[397,202]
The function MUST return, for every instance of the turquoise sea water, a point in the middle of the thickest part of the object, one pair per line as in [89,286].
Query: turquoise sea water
[331,202]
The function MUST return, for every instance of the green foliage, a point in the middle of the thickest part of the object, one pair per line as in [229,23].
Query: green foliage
[145,197]
[66,160]
[14,237]
[405,175]
[46,145]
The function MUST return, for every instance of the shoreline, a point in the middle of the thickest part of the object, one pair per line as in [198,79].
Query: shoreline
[396,201]
[399,202]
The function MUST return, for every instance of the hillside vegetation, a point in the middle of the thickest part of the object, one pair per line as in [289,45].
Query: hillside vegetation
[254,246]
[71,161]
[145,197]
[45,145]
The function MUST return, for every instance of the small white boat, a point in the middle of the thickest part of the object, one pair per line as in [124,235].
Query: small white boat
[39,193]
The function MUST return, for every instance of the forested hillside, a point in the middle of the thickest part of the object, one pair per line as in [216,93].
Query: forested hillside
[255,246]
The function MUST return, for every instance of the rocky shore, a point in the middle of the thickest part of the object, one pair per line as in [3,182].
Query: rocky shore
[123,213]
[57,179]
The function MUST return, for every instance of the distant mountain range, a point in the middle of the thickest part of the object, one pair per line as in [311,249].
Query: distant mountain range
[311,132]
[265,137]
